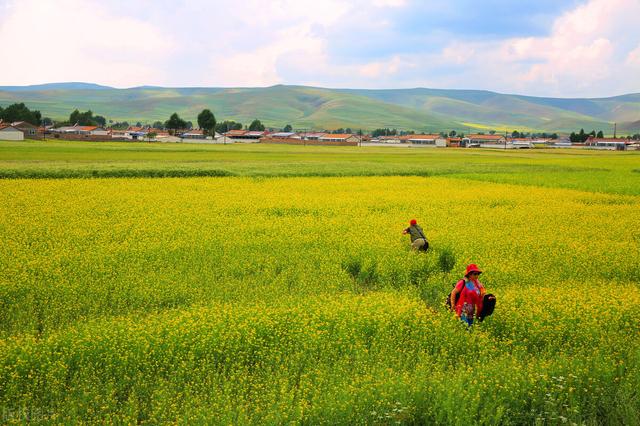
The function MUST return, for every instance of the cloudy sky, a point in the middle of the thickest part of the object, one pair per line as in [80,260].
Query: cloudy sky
[566,48]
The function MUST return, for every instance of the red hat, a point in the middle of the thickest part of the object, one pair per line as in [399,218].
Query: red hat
[413,222]
[472,268]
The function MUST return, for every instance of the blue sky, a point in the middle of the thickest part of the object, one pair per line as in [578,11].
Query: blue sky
[566,48]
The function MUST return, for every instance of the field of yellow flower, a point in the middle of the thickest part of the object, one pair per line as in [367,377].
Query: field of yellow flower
[297,299]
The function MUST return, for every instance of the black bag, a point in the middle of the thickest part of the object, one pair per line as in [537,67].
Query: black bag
[425,247]
[488,305]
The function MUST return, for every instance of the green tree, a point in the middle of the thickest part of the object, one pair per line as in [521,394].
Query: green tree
[120,126]
[151,135]
[20,112]
[515,134]
[227,125]
[287,128]
[175,123]
[158,125]
[452,133]
[600,134]
[102,122]
[207,122]
[82,118]
[256,125]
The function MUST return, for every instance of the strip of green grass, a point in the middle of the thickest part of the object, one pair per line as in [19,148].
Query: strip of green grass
[594,171]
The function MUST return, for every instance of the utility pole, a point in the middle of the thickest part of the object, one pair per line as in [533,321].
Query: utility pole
[615,128]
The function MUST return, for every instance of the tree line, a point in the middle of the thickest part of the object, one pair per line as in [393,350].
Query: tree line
[19,112]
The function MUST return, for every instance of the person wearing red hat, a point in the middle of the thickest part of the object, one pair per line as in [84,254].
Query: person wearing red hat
[418,240]
[471,294]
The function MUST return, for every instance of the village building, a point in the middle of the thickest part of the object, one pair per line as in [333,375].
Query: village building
[284,135]
[520,143]
[614,144]
[10,133]
[483,141]
[93,131]
[312,136]
[82,130]
[30,131]
[454,142]
[198,135]
[193,134]
[429,140]
[340,137]
[246,136]
[390,139]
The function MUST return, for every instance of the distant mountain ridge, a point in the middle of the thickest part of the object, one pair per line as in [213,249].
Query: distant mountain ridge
[57,86]
[304,107]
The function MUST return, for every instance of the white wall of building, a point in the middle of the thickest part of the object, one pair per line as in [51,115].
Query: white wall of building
[9,134]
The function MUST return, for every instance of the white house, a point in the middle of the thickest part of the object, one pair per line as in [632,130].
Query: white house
[614,144]
[340,137]
[429,140]
[82,130]
[10,133]
[30,131]
[484,141]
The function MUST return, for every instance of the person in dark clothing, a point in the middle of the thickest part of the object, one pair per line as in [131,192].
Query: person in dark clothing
[418,239]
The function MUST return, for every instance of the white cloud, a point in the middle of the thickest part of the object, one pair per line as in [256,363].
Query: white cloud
[79,40]
[389,3]
[295,33]
[591,50]
[379,69]
[259,67]
[584,55]
[633,58]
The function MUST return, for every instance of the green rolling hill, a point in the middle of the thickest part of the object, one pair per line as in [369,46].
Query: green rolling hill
[320,108]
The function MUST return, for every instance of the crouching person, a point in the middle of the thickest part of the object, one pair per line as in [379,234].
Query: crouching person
[418,239]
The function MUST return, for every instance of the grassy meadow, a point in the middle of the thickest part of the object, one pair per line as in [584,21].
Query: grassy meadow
[419,109]
[256,284]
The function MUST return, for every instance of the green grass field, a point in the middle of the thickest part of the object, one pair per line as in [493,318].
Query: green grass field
[609,172]
[258,284]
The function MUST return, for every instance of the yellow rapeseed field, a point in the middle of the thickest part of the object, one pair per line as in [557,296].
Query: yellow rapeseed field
[276,300]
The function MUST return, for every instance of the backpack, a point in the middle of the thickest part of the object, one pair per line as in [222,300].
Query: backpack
[448,301]
[425,247]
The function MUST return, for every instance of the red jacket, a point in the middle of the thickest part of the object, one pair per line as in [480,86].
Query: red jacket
[470,301]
